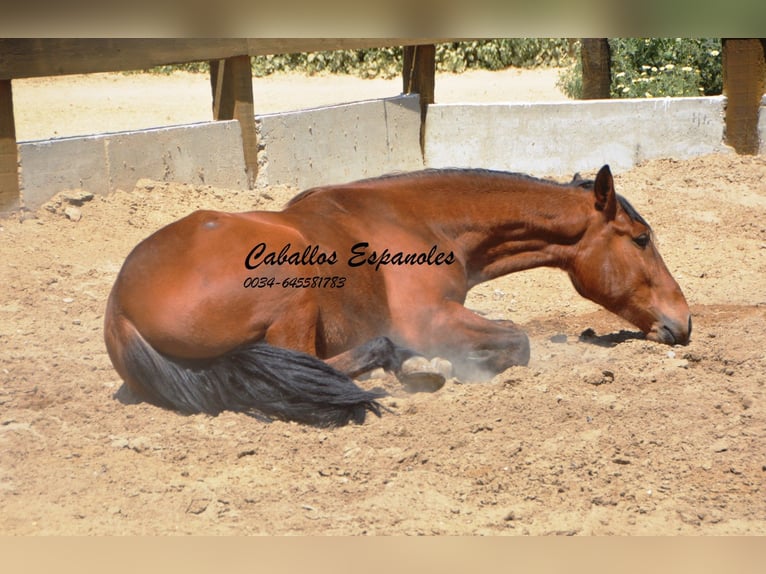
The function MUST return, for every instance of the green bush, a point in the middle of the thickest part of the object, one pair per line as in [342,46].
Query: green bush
[641,67]
[500,54]
[383,62]
[656,67]
[450,57]
[387,62]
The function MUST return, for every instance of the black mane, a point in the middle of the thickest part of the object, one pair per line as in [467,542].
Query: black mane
[454,171]
[577,181]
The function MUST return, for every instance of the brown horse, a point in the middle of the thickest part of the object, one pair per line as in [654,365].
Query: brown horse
[274,313]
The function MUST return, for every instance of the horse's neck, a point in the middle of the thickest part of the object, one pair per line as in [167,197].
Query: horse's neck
[519,225]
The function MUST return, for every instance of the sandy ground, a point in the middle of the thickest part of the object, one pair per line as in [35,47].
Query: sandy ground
[632,438]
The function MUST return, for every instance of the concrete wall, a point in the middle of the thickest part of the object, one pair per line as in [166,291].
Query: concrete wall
[561,138]
[365,139]
[303,149]
[208,153]
[339,143]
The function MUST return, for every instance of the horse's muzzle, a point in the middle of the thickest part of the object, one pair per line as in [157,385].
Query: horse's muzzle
[671,332]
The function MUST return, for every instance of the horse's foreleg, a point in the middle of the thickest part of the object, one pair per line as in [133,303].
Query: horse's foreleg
[478,348]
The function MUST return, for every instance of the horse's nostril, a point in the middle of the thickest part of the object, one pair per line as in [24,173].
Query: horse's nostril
[678,335]
[668,336]
[674,332]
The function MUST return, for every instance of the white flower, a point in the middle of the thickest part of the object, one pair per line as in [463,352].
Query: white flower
[669,66]
[619,75]
[714,53]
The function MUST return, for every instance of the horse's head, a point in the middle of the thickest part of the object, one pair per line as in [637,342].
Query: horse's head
[618,266]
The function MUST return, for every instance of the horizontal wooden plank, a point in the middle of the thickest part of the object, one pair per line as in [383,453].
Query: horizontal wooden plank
[37,57]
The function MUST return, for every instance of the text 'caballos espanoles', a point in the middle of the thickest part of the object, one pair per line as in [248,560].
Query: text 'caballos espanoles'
[360,254]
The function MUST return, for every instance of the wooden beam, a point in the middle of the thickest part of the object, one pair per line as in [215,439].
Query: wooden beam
[744,84]
[419,77]
[37,57]
[265,46]
[232,85]
[9,154]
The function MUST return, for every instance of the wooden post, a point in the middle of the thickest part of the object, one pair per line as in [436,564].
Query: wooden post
[744,84]
[232,85]
[9,151]
[419,77]
[596,64]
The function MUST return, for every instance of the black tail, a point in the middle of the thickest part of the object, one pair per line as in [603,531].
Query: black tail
[259,379]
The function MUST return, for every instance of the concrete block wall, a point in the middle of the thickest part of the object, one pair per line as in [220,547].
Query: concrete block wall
[339,143]
[206,153]
[366,139]
[562,138]
[302,149]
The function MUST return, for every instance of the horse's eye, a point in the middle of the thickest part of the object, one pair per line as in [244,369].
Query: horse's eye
[642,240]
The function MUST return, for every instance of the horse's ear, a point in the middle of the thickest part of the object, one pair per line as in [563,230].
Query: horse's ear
[603,189]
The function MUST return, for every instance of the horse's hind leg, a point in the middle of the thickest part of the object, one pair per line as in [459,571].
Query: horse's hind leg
[413,371]
[377,353]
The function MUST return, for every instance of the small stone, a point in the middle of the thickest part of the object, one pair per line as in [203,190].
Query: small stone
[720,446]
[198,505]
[26,215]
[689,517]
[598,377]
[73,213]
[120,442]
[139,444]
[77,197]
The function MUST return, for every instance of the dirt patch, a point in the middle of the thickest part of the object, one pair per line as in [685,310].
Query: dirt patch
[607,434]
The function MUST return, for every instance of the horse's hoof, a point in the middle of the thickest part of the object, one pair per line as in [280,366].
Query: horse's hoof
[442,366]
[422,382]
[419,375]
